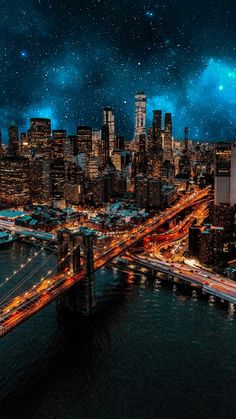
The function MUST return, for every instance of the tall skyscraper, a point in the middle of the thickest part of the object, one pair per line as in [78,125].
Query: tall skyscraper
[84,139]
[140,115]
[13,139]
[105,145]
[39,136]
[109,121]
[58,144]
[168,152]
[40,182]
[156,129]
[25,149]
[97,145]
[222,173]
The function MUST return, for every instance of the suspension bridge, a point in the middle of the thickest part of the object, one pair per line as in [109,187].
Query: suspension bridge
[73,286]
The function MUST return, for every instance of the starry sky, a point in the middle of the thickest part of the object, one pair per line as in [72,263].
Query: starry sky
[66,59]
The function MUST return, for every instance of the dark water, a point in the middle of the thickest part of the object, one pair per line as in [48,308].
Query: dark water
[147,353]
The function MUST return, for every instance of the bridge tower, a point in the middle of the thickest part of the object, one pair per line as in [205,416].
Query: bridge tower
[76,253]
[68,251]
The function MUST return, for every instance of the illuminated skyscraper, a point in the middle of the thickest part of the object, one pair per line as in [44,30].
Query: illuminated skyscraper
[222,173]
[156,129]
[105,145]
[25,149]
[13,140]
[84,139]
[14,180]
[39,136]
[140,115]
[109,121]
[40,182]
[168,152]
[58,144]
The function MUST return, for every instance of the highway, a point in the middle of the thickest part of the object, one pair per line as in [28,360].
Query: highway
[19,309]
[174,237]
[211,283]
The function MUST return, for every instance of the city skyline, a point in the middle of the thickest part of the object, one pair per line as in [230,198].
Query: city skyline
[67,60]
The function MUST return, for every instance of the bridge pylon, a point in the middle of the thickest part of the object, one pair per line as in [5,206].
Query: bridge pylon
[76,253]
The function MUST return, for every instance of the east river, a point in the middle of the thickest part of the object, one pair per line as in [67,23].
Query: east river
[149,352]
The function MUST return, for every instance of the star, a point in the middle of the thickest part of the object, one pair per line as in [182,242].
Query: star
[149,13]
[24,54]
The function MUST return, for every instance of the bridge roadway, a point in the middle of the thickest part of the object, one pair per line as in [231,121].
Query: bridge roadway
[25,305]
[210,282]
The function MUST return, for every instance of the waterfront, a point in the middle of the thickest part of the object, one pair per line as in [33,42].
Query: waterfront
[147,353]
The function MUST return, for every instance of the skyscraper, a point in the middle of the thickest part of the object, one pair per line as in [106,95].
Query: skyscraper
[84,139]
[168,152]
[222,173]
[156,129]
[140,115]
[58,144]
[105,145]
[109,121]
[13,139]
[25,149]
[14,180]
[40,182]
[39,136]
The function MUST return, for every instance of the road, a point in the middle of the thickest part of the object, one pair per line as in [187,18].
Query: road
[210,282]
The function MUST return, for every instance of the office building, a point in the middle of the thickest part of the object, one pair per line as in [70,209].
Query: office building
[147,192]
[39,136]
[40,183]
[109,122]
[105,145]
[58,144]
[13,140]
[168,150]
[140,115]
[84,139]
[222,173]
[14,180]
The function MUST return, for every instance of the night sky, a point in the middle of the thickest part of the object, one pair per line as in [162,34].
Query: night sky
[67,59]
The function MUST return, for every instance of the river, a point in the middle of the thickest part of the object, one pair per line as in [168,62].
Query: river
[148,352]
